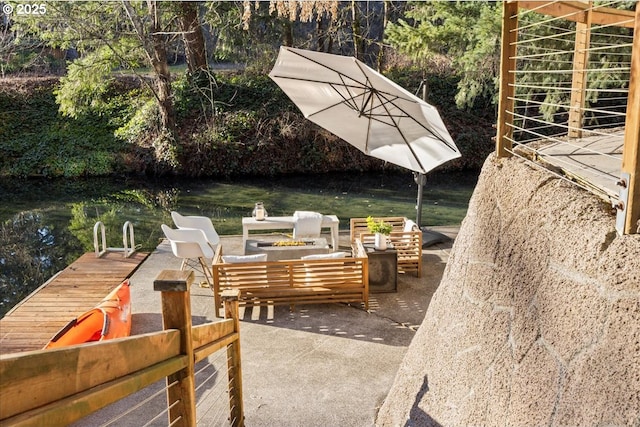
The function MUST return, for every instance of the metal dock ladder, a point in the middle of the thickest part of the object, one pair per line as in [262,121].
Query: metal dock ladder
[129,245]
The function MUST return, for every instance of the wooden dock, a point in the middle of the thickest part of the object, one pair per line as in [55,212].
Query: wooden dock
[76,289]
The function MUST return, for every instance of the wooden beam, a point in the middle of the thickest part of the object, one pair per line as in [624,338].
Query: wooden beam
[176,314]
[507,78]
[579,76]
[234,364]
[576,11]
[73,408]
[37,378]
[631,149]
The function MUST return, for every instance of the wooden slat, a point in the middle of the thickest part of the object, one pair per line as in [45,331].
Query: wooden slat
[579,75]
[76,289]
[408,244]
[508,49]
[74,408]
[576,11]
[40,377]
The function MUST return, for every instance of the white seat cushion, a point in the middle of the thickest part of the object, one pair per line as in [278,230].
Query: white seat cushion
[237,259]
[331,255]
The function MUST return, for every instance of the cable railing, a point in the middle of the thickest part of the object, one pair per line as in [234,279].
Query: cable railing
[567,71]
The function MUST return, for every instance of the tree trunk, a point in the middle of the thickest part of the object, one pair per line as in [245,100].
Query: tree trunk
[358,40]
[149,31]
[288,34]
[163,84]
[385,21]
[321,34]
[160,65]
[193,36]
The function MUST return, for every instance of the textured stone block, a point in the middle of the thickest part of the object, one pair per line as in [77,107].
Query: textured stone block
[537,318]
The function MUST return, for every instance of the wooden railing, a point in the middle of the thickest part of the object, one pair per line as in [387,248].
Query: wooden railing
[59,387]
[589,18]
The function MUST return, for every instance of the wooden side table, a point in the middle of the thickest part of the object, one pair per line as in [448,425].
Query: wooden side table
[383,270]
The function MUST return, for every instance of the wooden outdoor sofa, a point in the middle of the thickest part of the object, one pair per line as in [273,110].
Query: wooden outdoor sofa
[406,239]
[297,281]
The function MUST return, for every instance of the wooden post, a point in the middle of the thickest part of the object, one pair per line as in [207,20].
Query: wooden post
[507,78]
[176,314]
[579,77]
[631,150]
[234,367]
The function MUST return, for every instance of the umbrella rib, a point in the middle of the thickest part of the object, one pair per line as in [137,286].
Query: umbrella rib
[339,73]
[364,104]
[431,131]
[349,101]
[348,88]
[323,65]
[408,115]
[346,100]
[354,86]
[404,138]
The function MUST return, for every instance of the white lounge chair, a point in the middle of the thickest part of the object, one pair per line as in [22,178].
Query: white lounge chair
[191,244]
[306,224]
[200,222]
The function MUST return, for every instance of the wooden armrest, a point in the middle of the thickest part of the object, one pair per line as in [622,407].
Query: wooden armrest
[217,256]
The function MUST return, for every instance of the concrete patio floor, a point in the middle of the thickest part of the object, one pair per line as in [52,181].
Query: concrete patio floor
[320,365]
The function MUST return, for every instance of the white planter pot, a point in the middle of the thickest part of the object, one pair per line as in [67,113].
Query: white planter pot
[380,242]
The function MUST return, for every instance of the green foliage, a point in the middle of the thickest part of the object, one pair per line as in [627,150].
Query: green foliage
[379,226]
[38,140]
[252,128]
[88,85]
[142,117]
[467,33]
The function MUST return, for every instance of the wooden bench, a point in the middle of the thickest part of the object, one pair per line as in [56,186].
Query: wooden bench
[405,237]
[298,281]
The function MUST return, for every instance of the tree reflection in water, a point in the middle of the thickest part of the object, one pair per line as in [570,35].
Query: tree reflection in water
[36,244]
[46,225]
[31,251]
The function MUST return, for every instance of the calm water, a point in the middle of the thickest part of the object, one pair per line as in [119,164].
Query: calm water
[45,225]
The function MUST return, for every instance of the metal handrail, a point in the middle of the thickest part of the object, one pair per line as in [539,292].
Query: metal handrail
[99,253]
[128,250]
[129,245]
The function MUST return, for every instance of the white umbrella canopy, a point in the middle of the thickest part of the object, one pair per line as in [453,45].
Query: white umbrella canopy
[364,108]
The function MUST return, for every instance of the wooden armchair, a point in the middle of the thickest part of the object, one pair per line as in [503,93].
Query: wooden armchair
[406,239]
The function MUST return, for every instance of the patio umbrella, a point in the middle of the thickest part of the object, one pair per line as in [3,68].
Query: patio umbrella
[364,108]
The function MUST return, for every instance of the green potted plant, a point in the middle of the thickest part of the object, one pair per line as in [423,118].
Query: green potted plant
[381,230]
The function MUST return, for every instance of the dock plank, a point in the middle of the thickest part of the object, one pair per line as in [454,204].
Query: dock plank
[76,289]
[595,161]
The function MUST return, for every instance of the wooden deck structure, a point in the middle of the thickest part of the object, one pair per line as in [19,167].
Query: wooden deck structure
[618,164]
[595,162]
[76,289]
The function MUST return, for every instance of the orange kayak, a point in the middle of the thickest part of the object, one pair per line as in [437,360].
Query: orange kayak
[109,319]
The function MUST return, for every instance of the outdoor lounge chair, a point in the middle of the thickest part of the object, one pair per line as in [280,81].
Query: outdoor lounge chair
[306,224]
[200,222]
[406,239]
[192,246]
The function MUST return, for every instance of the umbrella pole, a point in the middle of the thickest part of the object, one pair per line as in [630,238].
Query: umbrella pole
[420,179]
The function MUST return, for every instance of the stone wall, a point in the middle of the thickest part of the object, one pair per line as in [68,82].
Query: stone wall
[537,319]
